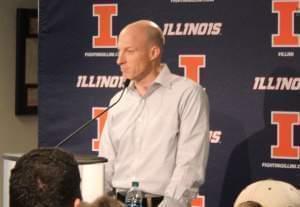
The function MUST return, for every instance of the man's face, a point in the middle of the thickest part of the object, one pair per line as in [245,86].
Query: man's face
[134,54]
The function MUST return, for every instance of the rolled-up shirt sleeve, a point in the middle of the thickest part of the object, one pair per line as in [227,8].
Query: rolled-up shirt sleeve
[193,146]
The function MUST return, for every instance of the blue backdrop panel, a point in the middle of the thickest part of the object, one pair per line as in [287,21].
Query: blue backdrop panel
[251,74]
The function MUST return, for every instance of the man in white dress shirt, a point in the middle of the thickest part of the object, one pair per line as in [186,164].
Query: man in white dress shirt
[158,134]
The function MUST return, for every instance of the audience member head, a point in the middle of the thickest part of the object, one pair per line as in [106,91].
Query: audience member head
[249,204]
[45,177]
[103,201]
[270,193]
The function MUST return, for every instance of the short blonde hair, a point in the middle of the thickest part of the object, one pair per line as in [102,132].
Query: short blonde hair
[151,29]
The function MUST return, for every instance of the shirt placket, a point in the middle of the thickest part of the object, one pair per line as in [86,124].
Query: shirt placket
[138,134]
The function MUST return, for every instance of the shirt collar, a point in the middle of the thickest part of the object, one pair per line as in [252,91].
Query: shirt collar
[164,77]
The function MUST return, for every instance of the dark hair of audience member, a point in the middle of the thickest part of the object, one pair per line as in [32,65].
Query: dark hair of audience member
[45,177]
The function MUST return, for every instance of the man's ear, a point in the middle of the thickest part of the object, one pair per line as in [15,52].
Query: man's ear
[155,52]
[77,202]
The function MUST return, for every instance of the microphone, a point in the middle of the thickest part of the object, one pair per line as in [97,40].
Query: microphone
[125,85]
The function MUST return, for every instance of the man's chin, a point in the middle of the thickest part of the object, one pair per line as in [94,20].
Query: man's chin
[126,77]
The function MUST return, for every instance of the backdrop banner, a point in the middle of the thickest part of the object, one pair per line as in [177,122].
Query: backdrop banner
[244,53]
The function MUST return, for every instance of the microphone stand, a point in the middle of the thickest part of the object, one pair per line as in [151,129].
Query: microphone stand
[126,83]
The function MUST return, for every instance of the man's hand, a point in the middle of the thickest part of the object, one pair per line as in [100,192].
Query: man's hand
[170,202]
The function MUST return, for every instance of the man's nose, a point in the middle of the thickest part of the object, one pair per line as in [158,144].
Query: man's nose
[120,58]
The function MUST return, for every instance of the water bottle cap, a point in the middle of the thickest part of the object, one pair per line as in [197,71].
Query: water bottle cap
[135,184]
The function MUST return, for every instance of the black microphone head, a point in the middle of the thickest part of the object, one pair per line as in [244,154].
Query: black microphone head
[126,83]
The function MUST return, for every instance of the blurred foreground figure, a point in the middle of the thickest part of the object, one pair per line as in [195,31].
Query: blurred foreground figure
[103,201]
[270,193]
[45,177]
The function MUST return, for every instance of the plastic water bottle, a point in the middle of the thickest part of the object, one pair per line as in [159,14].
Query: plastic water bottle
[134,197]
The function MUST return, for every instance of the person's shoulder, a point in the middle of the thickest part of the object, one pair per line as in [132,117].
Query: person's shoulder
[181,82]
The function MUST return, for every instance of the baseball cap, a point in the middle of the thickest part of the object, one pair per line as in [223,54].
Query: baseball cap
[270,193]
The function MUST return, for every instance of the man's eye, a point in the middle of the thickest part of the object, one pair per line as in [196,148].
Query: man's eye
[130,51]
